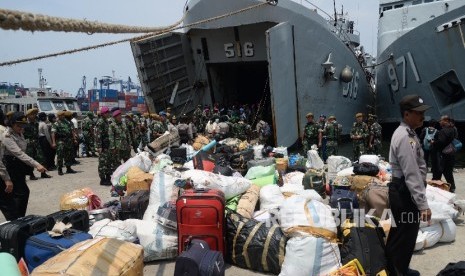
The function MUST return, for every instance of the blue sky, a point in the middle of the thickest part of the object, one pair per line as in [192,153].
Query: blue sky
[65,72]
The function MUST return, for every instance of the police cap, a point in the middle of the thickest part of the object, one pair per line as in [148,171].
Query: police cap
[413,102]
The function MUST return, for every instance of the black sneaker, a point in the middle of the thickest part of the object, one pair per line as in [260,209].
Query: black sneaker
[69,170]
[32,177]
[412,272]
[60,171]
[44,175]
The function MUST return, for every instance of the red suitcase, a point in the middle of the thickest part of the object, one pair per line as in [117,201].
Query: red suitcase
[200,215]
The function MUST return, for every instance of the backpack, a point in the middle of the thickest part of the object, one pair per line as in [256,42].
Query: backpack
[265,130]
[428,138]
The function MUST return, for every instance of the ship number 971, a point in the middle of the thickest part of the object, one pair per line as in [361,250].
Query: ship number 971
[236,49]
[393,72]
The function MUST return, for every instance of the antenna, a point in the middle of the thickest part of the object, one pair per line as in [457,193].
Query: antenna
[335,13]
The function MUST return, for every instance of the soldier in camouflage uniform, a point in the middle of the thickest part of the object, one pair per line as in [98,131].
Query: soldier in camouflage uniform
[157,128]
[120,140]
[359,134]
[102,144]
[197,118]
[242,130]
[310,136]
[88,134]
[62,134]
[374,141]
[31,134]
[133,128]
[332,131]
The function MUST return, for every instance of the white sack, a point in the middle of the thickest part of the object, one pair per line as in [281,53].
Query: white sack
[314,161]
[257,152]
[420,242]
[282,150]
[161,191]
[293,213]
[231,186]
[337,164]
[141,160]
[432,234]
[118,229]
[189,165]
[436,194]
[310,256]
[310,194]
[293,177]
[346,172]
[270,197]
[369,158]
[159,243]
[449,231]
[292,188]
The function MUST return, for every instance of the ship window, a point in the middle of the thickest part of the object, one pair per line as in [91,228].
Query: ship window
[398,6]
[59,105]
[428,1]
[387,8]
[416,2]
[29,106]
[45,106]
[70,105]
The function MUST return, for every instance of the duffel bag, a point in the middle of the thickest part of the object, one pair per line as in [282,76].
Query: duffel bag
[255,245]
[315,179]
[366,168]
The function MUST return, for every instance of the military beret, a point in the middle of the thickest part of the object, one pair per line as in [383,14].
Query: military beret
[310,114]
[146,114]
[61,113]
[332,117]
[32,111]
[322,115]
[173,117]
[116,113]
[10,113]
[413,102]
[359,115]
[104,110]
[113,109]
[68,114]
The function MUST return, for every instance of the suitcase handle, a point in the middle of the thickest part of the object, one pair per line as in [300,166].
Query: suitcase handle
[345,199]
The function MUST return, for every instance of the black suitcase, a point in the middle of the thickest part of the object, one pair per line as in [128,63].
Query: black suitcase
[13,234]
[344,200]
[199,260]
[78,218]
[134,205]
[178,155]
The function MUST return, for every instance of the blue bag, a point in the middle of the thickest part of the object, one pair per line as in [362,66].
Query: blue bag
[457,144]
[342,199]
[39,248]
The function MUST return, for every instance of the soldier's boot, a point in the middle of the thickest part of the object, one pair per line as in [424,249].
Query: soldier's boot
[69,170]
[60,171]
[108,180]
[45,175]
[102,180]
[32,177]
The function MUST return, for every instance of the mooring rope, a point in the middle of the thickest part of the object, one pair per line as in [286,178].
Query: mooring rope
[135,39]
[15,20]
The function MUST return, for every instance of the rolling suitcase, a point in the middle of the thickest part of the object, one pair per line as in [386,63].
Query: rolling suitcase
[198,259]
[134,205]
[200,215]
[78,218]
[42,247]
[13,234]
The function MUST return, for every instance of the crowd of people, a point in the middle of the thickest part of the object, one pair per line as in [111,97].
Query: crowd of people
[326,135]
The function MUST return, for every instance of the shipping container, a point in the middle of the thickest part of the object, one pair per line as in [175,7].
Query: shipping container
[94,106]
[110,105]
[140,100]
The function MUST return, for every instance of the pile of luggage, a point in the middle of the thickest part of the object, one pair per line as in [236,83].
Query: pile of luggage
[255,207]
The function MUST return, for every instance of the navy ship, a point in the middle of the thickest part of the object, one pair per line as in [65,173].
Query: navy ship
[422,44]
[283,55]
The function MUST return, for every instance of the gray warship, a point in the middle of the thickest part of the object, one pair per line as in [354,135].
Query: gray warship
[423,45]
[282,55]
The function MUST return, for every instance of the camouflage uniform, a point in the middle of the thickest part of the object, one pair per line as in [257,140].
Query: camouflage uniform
[157,129]
[375,131]
[359,129]
[88,134]
[332,132]
[31,134]
[120,142]
[197,116]
[102,142]
[310,135]
[241,130]
[64,135]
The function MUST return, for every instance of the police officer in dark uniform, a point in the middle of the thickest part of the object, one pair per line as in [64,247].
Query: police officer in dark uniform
[407,193]
[14,194]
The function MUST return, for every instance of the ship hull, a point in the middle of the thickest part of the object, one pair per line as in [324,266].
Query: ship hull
[271,55]
[429,61]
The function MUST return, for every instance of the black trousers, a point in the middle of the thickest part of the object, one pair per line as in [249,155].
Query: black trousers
[402,236]
[14,204]
[47,151]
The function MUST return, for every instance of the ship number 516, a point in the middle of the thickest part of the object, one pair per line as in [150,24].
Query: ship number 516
[394,76]
[232,50]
